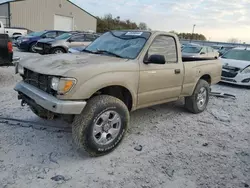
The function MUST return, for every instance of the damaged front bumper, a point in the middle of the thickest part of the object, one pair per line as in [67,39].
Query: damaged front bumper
[47,101]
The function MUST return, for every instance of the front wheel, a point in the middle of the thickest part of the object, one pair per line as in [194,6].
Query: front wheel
[32,47]
[197,103]
[58,51]
[101,126]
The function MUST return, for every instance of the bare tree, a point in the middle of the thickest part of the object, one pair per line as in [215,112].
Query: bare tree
[233,40]
[143,26]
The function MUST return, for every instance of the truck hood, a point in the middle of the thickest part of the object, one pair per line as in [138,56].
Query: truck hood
[235,63]
[60,64]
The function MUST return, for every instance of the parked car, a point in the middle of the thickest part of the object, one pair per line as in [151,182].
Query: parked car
[199,52]
[236,66]
[120,71]
[6,50]
[28,43]
[12,31]
[62,43]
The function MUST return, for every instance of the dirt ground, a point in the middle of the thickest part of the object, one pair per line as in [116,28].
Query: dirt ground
[179,149]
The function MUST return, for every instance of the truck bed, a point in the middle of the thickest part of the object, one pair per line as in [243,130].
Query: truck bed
[196,68]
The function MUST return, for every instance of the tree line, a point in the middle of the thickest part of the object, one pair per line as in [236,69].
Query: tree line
[108,22]
[190,36]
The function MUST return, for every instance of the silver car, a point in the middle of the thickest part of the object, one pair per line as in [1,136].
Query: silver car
[203,52]
[62,43]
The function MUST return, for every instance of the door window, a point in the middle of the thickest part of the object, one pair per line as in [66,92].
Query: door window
[51,34]
[204,50]
[166,46]
[78,38]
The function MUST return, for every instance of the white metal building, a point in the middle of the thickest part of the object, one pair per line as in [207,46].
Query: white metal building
[37,15]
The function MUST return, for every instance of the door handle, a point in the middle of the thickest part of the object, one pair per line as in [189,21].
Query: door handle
[177,71]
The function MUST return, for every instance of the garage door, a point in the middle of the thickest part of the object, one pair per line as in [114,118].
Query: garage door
[63,23]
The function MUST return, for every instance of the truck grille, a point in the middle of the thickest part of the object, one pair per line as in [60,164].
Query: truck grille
[230,72]
[37,80]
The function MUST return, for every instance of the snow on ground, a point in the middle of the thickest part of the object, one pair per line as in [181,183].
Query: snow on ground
[179,149]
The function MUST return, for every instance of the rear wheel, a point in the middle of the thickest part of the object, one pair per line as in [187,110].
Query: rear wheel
[101,126]
[197,103]
[32,47]
[58,51]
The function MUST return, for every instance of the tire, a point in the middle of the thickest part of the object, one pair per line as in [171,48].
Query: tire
[42,113]
[90,127]
[31,48]
[191,103]
[58,51]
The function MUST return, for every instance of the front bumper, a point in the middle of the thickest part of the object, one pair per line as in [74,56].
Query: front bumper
[235,81]
[49,102]
[23,46]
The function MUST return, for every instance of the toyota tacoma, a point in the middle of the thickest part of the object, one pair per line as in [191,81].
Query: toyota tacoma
[118,73]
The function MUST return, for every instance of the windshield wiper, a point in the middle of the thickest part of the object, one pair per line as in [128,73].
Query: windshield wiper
[107,52]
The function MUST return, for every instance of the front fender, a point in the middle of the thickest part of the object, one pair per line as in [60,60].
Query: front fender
[84,91]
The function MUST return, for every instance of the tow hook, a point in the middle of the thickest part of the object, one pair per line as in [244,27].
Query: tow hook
[23,103]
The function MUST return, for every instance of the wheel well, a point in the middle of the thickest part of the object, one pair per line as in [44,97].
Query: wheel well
[65,51]
[206,78]
[17,34]
[119,92]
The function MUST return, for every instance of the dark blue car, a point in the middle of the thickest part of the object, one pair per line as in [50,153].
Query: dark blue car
[28,42]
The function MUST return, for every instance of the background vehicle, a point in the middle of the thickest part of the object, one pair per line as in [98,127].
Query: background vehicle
[27,43]
[120,71]
[236,66]
[12,32]
[197,52]
[6,50]
[62,43]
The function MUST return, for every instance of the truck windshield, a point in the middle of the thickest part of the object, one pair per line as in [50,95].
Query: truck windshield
[191,49]
[64,36]
[243,55]
[37,34]
[121,44]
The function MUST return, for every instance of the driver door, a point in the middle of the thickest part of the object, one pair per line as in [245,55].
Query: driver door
[160,82]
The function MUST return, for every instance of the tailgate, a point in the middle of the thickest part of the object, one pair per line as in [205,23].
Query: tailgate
[5,55]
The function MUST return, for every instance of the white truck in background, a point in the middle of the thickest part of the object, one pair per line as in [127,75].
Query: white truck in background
[13,32]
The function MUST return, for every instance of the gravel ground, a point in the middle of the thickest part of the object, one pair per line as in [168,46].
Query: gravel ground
[179,149]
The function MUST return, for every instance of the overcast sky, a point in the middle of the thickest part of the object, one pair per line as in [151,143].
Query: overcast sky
[216,19]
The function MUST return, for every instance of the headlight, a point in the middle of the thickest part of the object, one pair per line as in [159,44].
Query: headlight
[20,69]
[246,70]
[62,85]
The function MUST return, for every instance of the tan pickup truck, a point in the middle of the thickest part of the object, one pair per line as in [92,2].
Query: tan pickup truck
[119,72]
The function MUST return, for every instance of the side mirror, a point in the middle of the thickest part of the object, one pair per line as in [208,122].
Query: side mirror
[156,59]
[202,53]
[70,40]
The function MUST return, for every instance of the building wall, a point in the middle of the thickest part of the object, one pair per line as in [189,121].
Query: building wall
[38,15]
[4,13]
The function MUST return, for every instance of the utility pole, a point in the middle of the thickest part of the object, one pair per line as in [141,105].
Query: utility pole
[192,33]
